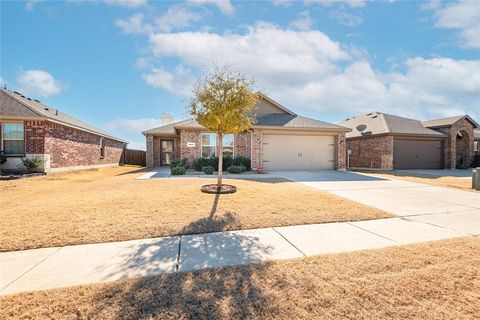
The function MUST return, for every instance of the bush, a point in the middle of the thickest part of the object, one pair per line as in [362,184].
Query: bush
[476,161]
[208,170]
[234,169]
[3,158]
[243,168]
[32,164]
[177,171]
[228,161]
[179,163]
[245,161]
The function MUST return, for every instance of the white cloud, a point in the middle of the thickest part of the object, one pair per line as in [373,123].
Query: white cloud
[345,17]
[126,3]
[282,3]
[180,81]
[30,4]
[38,83]
[306,69]
[463,16]
[303,22]
[132,126]
[176,17]
[328,3]
[225,6]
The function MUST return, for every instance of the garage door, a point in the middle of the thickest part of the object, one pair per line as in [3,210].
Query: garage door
[417,154]
[298,152]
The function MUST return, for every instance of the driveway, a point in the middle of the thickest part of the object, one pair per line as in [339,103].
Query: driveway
[449,208]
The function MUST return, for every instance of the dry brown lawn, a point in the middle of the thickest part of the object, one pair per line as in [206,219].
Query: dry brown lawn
[449,182]
[109,205]
[436,280]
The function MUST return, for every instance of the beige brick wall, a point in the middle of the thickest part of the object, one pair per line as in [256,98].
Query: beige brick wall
[371,153]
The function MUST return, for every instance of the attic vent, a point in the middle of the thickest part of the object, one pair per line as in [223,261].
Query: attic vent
[36,100]
[46,109]
[361,127]
[369,114]
[374,117]
[347,119]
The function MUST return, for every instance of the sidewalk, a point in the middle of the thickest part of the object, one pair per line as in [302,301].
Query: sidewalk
[49,268]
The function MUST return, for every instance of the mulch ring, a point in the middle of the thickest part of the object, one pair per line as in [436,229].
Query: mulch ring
[213,188]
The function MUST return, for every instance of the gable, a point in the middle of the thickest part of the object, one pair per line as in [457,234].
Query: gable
[267,106]
[11,108]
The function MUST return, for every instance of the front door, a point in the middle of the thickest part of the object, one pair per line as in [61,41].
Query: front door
[166,152]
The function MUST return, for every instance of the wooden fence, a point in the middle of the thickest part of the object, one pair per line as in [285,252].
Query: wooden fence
[135,157]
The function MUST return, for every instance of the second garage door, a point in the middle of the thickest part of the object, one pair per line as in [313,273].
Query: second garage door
[417,154]
[298,152]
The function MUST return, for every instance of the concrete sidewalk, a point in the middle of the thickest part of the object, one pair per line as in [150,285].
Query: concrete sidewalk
[49,268]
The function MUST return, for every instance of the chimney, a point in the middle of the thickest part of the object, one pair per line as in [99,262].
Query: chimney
[166,118]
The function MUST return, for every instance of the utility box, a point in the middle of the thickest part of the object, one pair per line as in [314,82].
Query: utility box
[476,178]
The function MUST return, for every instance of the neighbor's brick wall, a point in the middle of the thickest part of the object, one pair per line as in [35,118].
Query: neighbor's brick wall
[34,137]
[372,152]
[69,147]
[451,148]
[187,152]
[341,147]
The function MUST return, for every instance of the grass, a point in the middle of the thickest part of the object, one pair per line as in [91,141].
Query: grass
[448,182]
[436,280]
[109,205]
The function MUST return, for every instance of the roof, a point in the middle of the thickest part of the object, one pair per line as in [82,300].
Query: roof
[294,121]
[446,122]
[377,123]
[169,128]
[10,100]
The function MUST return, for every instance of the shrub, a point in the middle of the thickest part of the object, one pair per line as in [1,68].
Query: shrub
[199,163]
[243,168]
[208,170]
[234,169]
[241,160]
[32,164]
[3,158]
[179,163]
[179,170]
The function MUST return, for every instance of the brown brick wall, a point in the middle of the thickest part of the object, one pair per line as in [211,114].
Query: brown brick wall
[257,149]
[149,151]
[465,127]
[34,137]
[69,147]
[242,145]
[341,147]
[190,153]
[373,152]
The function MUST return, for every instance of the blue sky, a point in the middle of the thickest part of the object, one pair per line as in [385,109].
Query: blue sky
[120,64]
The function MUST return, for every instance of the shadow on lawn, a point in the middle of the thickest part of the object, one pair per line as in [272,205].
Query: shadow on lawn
[229,292]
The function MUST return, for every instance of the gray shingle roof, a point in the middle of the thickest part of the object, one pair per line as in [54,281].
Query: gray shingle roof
[294,121]
[271,120]
[35,109]
[382,123]
[445,122]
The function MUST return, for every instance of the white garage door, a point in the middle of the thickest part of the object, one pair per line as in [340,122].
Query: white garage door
[298,152]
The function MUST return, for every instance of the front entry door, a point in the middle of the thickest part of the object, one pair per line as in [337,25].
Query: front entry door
[166,152]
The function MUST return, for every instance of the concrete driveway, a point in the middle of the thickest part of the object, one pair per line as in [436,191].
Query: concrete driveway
[449,208]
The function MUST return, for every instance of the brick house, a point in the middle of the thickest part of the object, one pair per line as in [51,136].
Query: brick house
[30,129]
[279,140]
[384,141]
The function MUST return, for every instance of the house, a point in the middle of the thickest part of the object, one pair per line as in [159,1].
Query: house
[384,141]
[30,129]
[476,142]
[279,140]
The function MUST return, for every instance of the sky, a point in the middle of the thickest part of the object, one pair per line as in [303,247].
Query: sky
[120,65]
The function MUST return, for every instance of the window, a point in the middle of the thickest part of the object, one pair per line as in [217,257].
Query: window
[13,142]
[209,143]
[102,148]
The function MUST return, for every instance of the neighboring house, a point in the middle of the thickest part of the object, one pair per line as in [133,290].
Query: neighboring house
[29,128]
[476,143]
[279,140]
[385,141]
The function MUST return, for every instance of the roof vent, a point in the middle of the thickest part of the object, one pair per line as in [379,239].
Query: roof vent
[36,100]
[46,109]
[375,116]
[369,114]
[56,112]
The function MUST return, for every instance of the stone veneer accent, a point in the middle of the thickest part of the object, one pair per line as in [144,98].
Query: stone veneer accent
[371,152]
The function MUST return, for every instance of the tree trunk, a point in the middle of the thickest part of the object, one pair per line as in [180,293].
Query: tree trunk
[220,160]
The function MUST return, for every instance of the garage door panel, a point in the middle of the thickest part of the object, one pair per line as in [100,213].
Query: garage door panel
[298,152]
[417,154]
